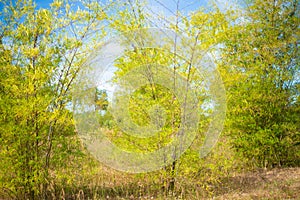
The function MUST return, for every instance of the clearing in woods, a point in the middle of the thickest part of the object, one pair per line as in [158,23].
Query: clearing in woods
[274,184]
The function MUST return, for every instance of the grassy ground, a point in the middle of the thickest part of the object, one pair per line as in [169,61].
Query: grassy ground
[273,184]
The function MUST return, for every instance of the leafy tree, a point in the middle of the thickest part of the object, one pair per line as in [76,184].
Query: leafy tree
[260,64]
[41,53]
[199,31]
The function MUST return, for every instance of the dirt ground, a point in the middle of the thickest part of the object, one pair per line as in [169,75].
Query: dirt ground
[274,184]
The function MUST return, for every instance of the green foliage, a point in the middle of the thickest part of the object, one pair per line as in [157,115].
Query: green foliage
[153,94]
[261,71]
[41,51]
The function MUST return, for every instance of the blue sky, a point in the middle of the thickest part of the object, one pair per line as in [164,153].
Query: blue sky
[171,4]
[43,3]
[160,11]
[165,7]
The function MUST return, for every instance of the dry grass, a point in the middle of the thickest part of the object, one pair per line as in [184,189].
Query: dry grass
[274,184]
[262,184]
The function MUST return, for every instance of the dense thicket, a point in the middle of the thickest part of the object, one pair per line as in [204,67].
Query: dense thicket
[41,51]
[261,72]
